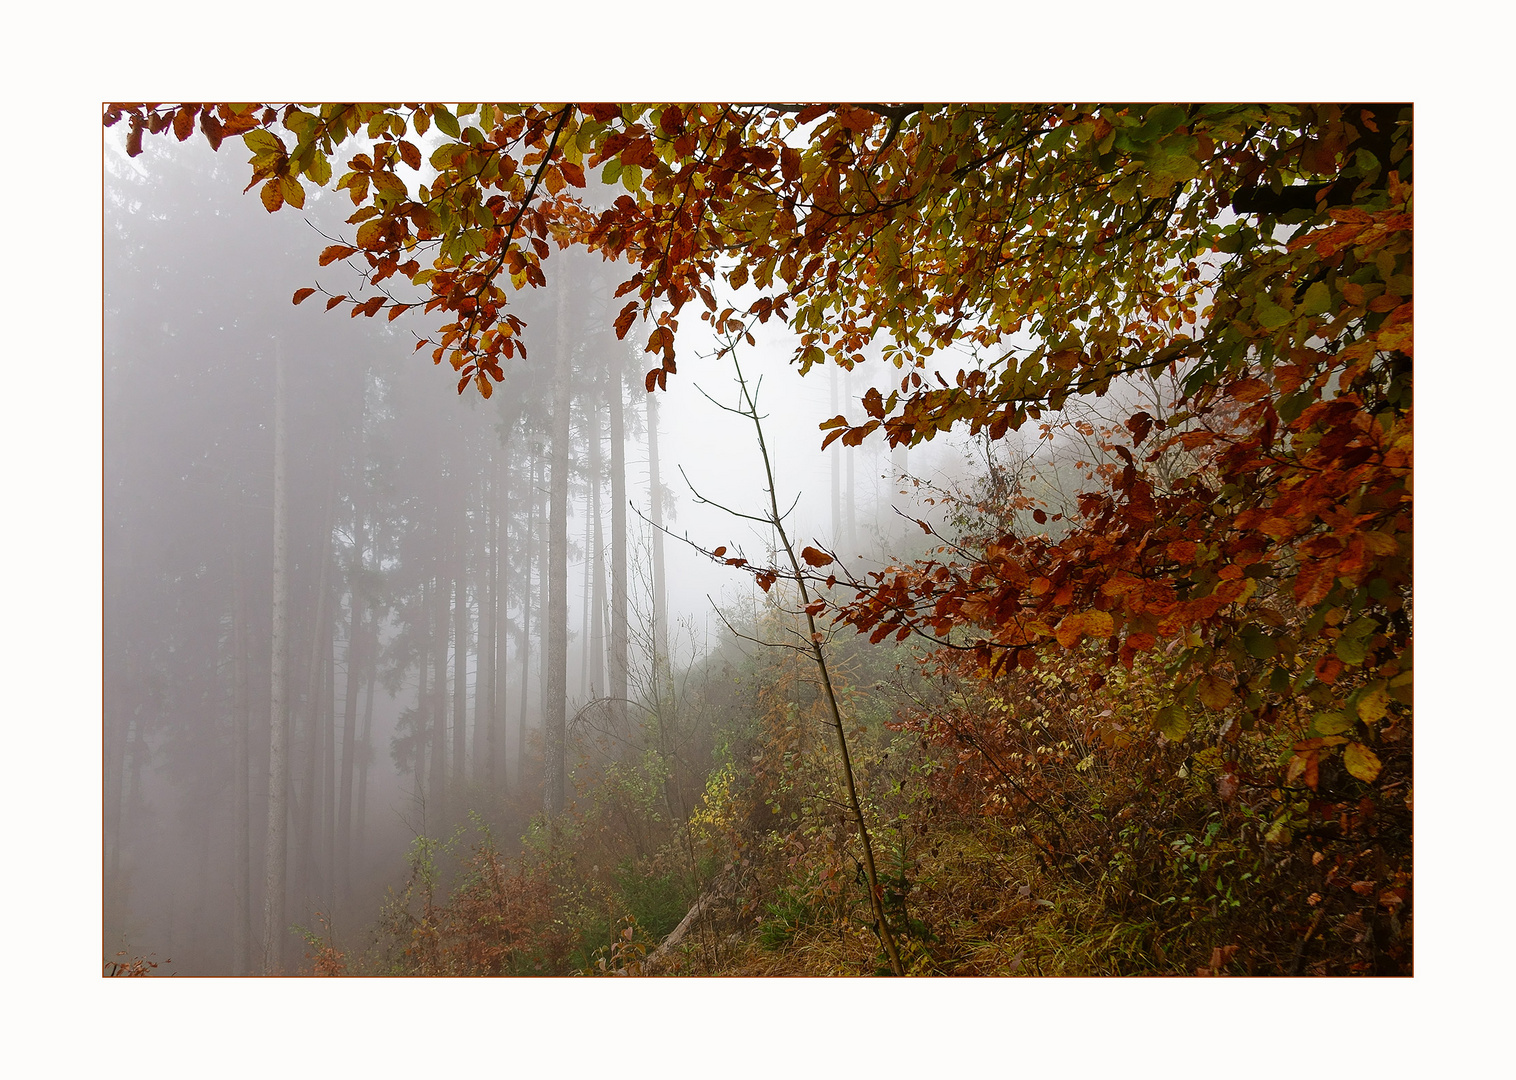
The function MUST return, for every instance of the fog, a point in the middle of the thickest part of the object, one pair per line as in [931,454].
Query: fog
[394,488]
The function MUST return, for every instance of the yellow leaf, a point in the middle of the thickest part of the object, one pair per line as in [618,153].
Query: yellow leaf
[1374,703]
[292,191]
[1361,762]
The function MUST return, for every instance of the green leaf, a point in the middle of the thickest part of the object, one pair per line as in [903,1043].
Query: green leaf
[1260,646]
[446,122]
[1317,299]
[1351,650]
[319,170]
[1172,722]
[1330,723]
[1270,315]
[263,142]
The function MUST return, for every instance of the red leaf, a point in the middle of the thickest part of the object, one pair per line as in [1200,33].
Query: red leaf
[302,294]
[334,301]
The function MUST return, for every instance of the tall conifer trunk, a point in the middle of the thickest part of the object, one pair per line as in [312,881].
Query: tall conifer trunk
[618,656]
[460,643]
[436,795]
[662,661]
[278,764]
[555,689]
[242,917]
[529,547]
[356,651]
[596,627]
[483,748]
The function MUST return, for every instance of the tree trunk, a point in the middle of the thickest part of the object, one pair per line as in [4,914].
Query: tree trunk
[307,810]
[596,628]
[278,765]
[329,765]
[555,693]
[365,747]
[436,795]
[529,546]
[356,654]
[242,917]
[661,658]
[460,643]
[484,676]
[502,592]
[618,657]
[423,730]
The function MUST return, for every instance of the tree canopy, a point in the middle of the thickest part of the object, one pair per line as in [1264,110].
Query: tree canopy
[1260,254]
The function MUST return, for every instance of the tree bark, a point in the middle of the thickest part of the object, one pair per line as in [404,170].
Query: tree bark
[278,767]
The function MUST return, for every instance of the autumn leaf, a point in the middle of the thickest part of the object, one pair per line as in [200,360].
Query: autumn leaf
[813,557]
[1214,692]
[1362,762]
[1096,624]
[302,294]
[1172,722]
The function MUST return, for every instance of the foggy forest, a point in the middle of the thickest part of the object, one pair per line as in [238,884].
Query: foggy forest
[1011,577]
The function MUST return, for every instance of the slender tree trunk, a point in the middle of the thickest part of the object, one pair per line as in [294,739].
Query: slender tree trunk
[898,468]
[365,745]
[278,767]
[502,592]
[356,650]
[424,733]
[242,917]
[437,793]
[661,657]
[484,677]
[308,816]
[329,764]
[618,657]
[555,696]
[597,553]
[584,616]
[529,547]
[460,645]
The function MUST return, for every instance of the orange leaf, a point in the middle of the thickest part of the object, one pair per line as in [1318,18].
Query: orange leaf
[814,557]
[301,294]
